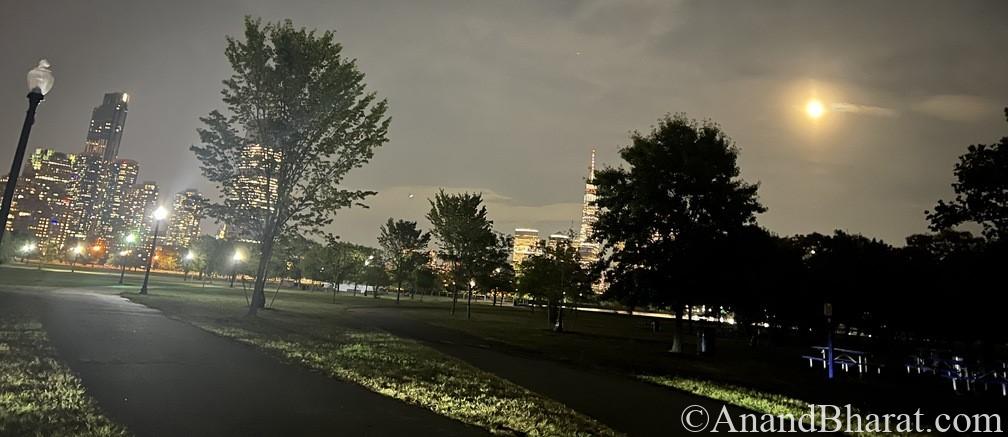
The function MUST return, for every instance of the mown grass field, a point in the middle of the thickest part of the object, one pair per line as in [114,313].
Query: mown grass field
[39,396]
[317,330]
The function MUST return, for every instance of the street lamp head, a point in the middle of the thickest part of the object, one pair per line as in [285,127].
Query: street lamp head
[28,247]
[160,213]
[189,256]
[123,252]
[472,283]
[78,249]
[131,238]
[96,248]
[40,78]
[497,270]
[237,256]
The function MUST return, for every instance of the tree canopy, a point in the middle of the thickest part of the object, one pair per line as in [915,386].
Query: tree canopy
[981,191]
[304,108]
[465,235]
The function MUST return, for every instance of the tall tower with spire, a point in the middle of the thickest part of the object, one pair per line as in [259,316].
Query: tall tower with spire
[589,215]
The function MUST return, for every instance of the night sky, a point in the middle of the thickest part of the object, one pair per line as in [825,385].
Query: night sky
[509,98]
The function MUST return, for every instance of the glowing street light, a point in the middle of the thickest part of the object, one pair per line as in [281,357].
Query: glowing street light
[77,250]
[40,81]
[189,256]
[26,249]
[159,214]
[237,258]
[374,293]
[129,239]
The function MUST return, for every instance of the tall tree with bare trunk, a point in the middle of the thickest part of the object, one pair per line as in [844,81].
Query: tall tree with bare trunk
[298,119]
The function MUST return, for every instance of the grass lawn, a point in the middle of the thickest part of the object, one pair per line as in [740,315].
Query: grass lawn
[39,395]
[323,333]
[309,331]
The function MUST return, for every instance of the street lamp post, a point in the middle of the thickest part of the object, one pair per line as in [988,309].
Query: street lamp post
[159,214]
[130,239]
[367,262]
[77,251]
[187,261]
[40,81]
[237,258]
[472,284]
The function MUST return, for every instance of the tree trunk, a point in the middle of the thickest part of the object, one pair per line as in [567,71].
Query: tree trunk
[454,298]
[259,291]
[469,305]
[558,326]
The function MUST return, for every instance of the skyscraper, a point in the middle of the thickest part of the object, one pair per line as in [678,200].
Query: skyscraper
[87,187]
[140,203]
[589,250]
[253,195]
[184,222]
[113,218]
[41,204]
[526,244]
[107,123]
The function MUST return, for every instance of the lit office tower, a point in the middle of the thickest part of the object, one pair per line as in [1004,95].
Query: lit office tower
[254,191]
[140,203]
[557,241]
[526,244]
[122,176]
[42,198]
[88,188]
[184,223]
[588,250]
[107,124]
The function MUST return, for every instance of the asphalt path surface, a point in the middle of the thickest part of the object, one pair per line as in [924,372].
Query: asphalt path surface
[620,401]
[163,377]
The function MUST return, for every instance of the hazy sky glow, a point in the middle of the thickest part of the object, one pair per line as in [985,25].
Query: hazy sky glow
[509,98]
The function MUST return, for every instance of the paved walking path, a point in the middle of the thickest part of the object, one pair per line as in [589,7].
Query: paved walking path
[625,404]
[162,377]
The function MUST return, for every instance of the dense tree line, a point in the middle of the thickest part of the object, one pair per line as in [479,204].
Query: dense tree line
[678,227]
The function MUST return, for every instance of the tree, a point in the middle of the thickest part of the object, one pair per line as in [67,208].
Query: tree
[426,280]
[401,241]
[494,272]
[981,191]
[658,218]
[13,245]
[294,95]
[464,234]
[334,262]
[554,276]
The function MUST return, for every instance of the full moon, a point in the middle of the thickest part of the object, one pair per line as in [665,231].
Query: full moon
[814,108]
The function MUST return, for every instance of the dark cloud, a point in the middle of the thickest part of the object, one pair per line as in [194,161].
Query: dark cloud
[509,97]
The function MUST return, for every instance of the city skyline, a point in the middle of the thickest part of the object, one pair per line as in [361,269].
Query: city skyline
[881,156]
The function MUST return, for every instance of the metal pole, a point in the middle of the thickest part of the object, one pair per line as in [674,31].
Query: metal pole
[829,346]
[8,197]
[150,257]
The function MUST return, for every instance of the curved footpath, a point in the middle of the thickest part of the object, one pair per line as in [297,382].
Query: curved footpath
[625,404]
[162,377]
